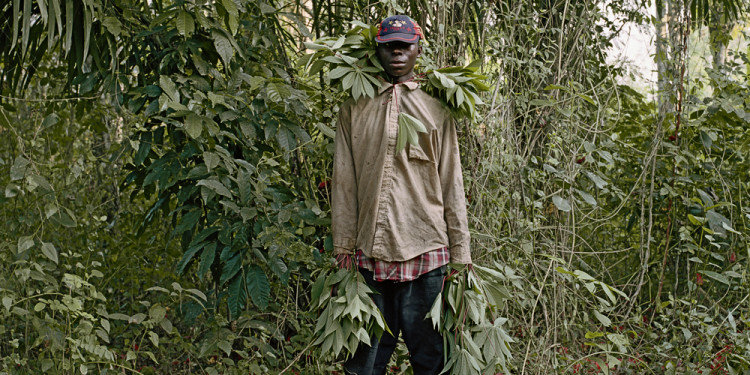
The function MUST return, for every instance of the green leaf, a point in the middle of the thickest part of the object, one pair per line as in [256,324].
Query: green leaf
[7,303]
[86,32]
[446,82]
[717,276]
[188,221]
[286,139]
[157,312]
[401,138]
[231,267]
[235,297]
[277,91]
[223,47]
[265,8]
[588,198]
[188,256]
[598,181]
[602,318]
[25,243]
[185,23]
[144,147]
[67,218]
[211,159]
[18,169]
[349,80]
[215,186]
[586,98]
[193,125]
[168,87]
[26,25]
[35,180]
[339,72]
[258,286]
[207,259]
[317,289]
[561,203]
[434,313]
[154,338]
[230,7]
[339,42]
[50,120]
[330,133]
[357,86]
[49,251]
[367,87]
[112,24]
[69,15]
[408,126]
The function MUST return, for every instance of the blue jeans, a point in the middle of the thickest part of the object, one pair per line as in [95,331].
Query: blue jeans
[404,306]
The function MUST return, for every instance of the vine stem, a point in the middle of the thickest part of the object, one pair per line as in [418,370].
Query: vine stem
[296,359]
[675,139]
[46,100]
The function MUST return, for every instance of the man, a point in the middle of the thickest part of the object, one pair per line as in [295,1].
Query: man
[399,216]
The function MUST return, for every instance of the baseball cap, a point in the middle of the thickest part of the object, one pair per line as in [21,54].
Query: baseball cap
[401,28]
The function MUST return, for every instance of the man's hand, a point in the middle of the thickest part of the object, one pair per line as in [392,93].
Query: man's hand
[345,261]
[456,268]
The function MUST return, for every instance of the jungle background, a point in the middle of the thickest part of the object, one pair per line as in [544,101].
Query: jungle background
[165,170]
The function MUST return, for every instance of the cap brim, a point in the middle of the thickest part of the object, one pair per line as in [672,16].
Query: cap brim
[401,37]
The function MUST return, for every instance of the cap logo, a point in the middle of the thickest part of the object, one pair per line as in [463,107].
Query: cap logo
[401,28]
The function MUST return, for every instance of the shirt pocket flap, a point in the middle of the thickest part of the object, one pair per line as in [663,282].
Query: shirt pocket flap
[416,153]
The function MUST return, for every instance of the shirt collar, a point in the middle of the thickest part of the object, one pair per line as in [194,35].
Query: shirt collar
[384,86]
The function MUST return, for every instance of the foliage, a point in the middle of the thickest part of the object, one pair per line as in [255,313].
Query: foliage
[464,313]
[349,316]
[355,69]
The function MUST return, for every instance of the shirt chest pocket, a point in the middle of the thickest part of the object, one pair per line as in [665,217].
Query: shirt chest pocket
[417,153]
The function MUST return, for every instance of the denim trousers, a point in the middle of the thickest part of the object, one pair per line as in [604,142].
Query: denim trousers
[404,306]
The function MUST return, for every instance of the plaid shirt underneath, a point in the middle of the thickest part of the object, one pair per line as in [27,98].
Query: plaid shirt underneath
[403,271]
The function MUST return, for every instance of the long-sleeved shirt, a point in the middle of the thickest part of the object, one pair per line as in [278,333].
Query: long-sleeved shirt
[396,206]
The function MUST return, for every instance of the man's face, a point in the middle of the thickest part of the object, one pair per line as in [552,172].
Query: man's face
[398,59]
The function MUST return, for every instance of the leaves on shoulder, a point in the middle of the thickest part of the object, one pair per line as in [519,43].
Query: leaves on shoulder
[354,68]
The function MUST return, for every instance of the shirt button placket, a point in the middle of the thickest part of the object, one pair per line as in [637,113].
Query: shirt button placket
[379,246]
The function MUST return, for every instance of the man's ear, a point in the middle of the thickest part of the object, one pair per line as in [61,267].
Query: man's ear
[419,50]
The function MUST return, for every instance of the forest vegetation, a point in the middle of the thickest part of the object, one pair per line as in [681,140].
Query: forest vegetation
[165,170]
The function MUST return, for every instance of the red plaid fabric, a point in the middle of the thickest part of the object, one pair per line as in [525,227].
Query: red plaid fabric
[403,271]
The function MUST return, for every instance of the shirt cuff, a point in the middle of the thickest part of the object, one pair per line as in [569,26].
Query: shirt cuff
[348,244]
[460,254]
[344,246]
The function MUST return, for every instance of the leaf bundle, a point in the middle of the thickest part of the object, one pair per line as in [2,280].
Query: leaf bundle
[349,316]
[475,343]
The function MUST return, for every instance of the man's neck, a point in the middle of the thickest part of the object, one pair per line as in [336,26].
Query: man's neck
[401,79]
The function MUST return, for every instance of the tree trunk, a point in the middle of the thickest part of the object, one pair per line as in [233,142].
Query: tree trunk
[719,31]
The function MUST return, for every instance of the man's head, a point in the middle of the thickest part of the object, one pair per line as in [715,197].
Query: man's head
[398,46]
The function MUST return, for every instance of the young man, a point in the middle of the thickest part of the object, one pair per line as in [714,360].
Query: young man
[400,217]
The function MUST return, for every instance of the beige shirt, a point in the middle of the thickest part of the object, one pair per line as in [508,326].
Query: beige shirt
[396,206]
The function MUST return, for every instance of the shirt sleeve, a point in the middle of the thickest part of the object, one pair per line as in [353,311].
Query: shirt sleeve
[344,206]
[454,201]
